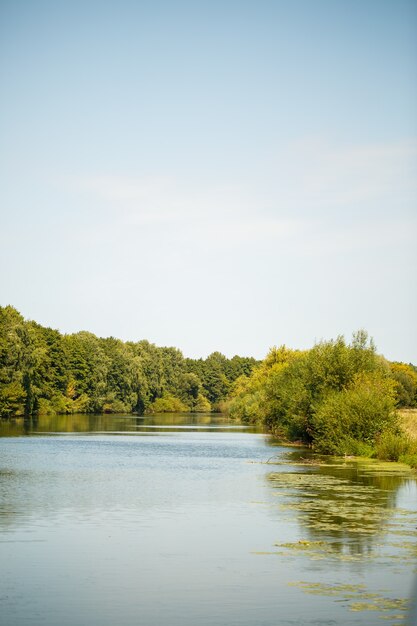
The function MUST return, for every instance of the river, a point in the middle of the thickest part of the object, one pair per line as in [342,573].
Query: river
[192,520]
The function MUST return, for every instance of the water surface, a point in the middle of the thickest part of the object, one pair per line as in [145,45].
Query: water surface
[180,520]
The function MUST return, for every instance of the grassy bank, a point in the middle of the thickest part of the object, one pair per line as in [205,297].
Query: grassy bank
[408,422]
[400,445]
[396,445]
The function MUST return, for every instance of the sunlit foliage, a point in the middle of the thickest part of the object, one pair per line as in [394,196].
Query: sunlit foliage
[338,397]
[44,372]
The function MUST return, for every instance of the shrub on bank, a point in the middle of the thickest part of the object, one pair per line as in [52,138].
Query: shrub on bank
[397,446]
[167,404]
[338,398]
[350,421]
[201,405]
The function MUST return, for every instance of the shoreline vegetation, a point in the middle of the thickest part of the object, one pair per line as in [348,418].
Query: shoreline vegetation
[337,398]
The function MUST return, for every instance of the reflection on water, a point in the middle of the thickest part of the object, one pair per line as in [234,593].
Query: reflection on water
[180,520]
[84,423]
[350,511]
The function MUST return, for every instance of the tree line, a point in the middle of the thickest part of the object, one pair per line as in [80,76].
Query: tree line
[339,398]
[43,371]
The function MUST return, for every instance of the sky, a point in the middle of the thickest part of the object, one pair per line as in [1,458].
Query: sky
[225,175]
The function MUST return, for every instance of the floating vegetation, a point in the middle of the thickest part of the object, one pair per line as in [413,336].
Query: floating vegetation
[405,533]
[348,593]
[323,589]
[332,504]
[406,512]
[353,500]
[319,550]
[347,511]
[380,604]
[300,462]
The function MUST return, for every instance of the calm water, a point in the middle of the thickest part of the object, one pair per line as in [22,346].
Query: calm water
[181,521]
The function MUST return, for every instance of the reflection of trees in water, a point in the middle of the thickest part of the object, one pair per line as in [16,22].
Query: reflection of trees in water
[84,423]
[30,424]
[342,505]
[76,423]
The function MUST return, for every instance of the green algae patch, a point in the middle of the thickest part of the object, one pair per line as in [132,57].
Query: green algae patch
[380,604]
[353,499]
[355,596]
[346,510]
[321,550]
[332,504]
[323,589]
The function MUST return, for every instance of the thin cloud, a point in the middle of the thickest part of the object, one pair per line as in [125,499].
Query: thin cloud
[323,200]
[305,176]
[315,176]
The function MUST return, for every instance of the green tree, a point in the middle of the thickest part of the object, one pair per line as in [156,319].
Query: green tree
[89,367]
[308,394]
[357,415]
[14,357]
[405,378]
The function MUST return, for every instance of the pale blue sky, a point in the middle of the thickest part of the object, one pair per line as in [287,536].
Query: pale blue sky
[211,175]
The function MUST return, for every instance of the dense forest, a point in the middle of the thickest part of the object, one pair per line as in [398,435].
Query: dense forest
[43,371]
[337,397]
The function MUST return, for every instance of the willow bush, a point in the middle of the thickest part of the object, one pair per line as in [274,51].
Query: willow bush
[338,397]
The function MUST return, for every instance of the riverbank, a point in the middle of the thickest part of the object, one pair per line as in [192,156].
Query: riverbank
[396,447]
[408,422]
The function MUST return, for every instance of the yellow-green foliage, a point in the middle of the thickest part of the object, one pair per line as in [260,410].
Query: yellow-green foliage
[405,377]
[397,446]
[44,372]
[12,398]
[59,404]
[247,398]
[250,397]
[337,397]
[167,404]
[408,422]
[400,444]
[202,405]
[358,413]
